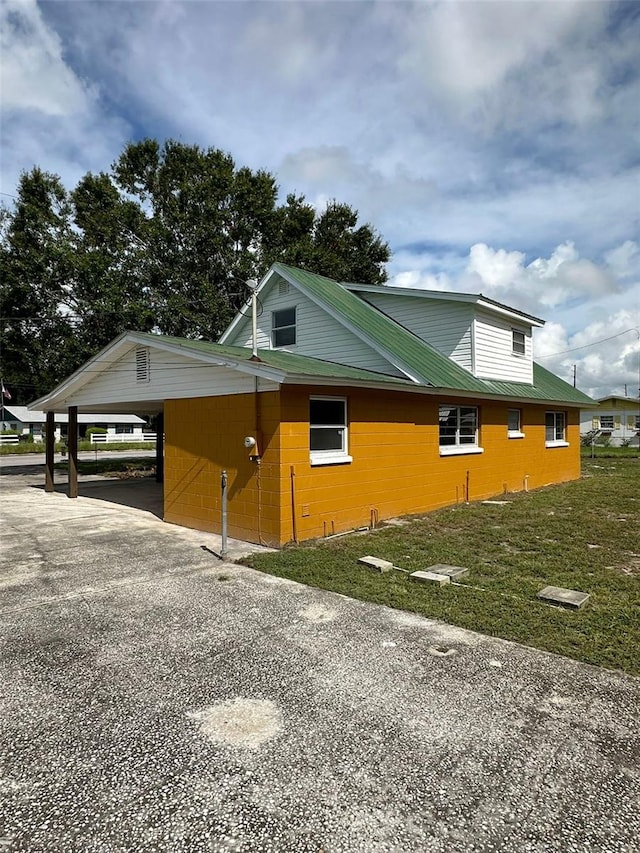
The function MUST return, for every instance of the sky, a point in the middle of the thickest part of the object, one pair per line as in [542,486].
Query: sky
[494,145]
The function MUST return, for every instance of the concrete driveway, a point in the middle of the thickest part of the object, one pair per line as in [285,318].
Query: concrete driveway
[154,699]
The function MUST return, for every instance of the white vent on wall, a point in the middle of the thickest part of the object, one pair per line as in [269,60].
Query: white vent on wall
[143,368]
[283,287]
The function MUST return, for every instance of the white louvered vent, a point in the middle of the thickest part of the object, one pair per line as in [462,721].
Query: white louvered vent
[283,287]
[143,371]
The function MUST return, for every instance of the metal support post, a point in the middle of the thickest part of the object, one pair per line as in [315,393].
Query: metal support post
[223,486]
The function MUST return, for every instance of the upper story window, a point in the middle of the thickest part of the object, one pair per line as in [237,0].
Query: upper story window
[328,430]
[555,429]
[458,430]
[517,342]
[283,327]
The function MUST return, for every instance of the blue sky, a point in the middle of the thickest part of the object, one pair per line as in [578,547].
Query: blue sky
[495,145]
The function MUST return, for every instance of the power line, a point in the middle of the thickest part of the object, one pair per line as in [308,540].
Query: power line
[592,344]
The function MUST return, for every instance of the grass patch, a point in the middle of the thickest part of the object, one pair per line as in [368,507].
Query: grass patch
[539,538]
[602,452]
[113,467]
[39,447]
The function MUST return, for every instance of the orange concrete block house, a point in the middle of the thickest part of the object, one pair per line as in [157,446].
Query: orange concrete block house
[347,404]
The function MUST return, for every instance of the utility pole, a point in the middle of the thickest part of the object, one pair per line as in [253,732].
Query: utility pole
[574,375]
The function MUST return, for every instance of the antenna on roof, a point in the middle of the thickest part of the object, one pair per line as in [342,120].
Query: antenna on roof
[252,284]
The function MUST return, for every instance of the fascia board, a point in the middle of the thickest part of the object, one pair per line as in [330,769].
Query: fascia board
[511,313]
[425,390]
[107,356]
[443,295]
[240,316]
[411,291]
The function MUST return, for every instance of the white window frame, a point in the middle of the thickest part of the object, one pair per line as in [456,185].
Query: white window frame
[275,328]
[459,448]
[516,343]
[335,456]
[608,418]
[556,442]
[515,433]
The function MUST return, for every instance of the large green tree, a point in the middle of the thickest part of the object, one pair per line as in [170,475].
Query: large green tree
[36,328]
[165,241]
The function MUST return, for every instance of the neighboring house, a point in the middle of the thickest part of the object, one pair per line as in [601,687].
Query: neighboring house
[360,404]
[30,422]
[616,419]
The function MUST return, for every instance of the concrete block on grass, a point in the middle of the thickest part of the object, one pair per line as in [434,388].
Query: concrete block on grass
[376,564]
[452,572]
[564,597]
[429,578]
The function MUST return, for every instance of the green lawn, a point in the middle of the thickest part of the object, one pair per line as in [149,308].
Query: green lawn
[539,538]
[27,447]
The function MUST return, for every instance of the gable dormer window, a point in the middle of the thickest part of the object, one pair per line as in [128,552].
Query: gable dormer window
[517,342]
[283,327]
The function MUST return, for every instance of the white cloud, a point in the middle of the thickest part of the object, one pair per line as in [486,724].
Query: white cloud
[51,117]
[33,73]
[624,260]
[496,269]
[606,354]
[493,62]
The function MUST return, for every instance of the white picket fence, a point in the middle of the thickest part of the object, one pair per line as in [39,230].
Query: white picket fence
[8,439]
[120,437]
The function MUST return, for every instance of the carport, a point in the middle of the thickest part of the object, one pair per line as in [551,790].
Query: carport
[72,412]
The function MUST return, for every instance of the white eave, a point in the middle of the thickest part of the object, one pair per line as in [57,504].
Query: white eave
[446,296]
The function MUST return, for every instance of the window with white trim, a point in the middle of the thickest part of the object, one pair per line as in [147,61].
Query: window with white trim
[517,342]
[555,429]
[606,422]
[283,327]
[458,429]
[514,423]
[637,422]
[328,431]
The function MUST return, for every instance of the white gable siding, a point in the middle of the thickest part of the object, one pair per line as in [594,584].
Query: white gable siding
[494,357]
[318,334]
[444,325]
[171,376]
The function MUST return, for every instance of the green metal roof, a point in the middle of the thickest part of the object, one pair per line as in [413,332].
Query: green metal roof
[546,386]
[421,360]
[288,362]
[427,364]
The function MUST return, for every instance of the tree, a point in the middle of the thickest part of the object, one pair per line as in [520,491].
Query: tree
[164,241]
[109,293]
[204,233]
[36,261]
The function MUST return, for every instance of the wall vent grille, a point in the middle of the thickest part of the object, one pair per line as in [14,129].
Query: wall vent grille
[143,367]
[283,287]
